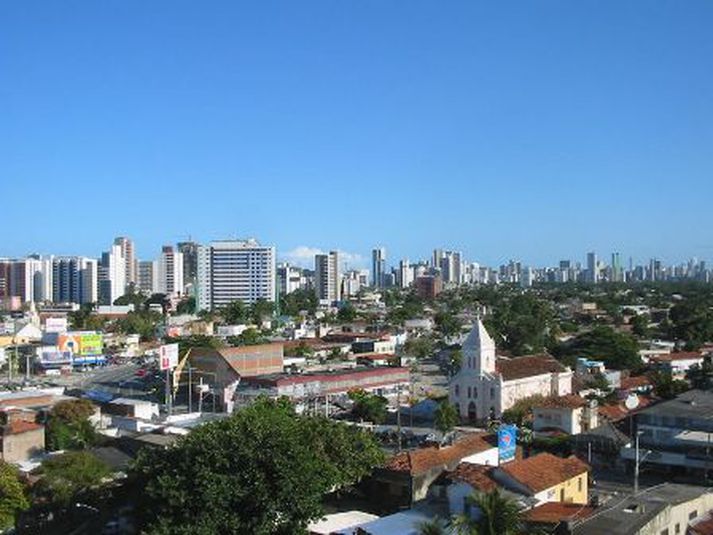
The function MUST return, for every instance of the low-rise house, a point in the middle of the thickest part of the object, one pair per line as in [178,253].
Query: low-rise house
[546,478]
[556,517]
[677,364]
[663,509]
[133,408]
[407,476]
[569,414]
[639,384]
[22,438]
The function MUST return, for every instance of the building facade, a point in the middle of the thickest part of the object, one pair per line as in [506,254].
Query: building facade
[327,277]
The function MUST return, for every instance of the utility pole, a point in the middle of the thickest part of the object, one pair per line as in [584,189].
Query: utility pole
[190,391]
[636,466]
[398,414]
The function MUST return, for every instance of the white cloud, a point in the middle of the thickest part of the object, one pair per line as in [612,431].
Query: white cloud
[303,256]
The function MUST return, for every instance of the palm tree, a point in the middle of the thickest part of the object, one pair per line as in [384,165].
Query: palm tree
[496,515]
[435,526]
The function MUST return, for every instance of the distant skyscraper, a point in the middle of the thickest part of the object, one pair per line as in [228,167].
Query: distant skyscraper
[75,280]
[450,265]
[378,266]
[592,268]
[112,275]
[234,270]
[170,272]
[189,250]
[130,263]
[405,273]
[616,269]
[327,277]
[148,277]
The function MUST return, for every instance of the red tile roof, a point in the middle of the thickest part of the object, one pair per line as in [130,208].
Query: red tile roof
[544,470]
[556,512]
[20,426]
[476,475]
[527,366]
[571,401]
[702,526]
[618,411]
[632,383]
[422,460]
[683,355]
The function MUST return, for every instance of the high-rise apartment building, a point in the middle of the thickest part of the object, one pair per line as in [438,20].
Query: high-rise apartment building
[289,278]
[405,273]
[148,277]
[112,275]
[592,268]
[327,277]
[450,265]
[235,270]
[75,280]
[189,250]
[170,272]
[616,269]
[128,251]
[378,266]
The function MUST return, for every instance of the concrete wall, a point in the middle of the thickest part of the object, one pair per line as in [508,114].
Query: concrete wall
[22,446]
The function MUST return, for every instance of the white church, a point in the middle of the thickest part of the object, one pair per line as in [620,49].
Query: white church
[487,385]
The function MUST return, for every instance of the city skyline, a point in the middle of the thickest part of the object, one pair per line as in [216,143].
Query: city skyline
[533,132]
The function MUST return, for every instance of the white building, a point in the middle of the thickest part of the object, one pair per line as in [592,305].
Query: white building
[405,274]
[327,277]
[290,278]
[170,272]
[487,385]
[378,266]
[234,270]
[112,276]
[128,251]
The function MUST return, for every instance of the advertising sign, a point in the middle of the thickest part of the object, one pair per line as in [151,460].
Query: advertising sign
[50,356]
[168,356]
[81,343]
[56,325]
[507,442]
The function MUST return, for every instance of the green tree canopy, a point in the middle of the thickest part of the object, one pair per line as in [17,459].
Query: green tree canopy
[522,324]
[264,470]
[13,499]
[235,313]
[68,426]
[298,301]
[347,313]
[616,349]
[187,306]
[420,347]
[369,407]
[446,417]
[261,309]
[448,324]
[65,476]
[499,515]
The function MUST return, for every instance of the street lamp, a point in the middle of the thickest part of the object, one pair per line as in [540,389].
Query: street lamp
[638,462]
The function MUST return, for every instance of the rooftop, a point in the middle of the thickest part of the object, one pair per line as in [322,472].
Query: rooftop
[684,355]
[692,404]
[528,366]
[326,376]
[571,401]
[544,470]
[556,512]
[629,515]
[422,460]
[20,426]
[477,476]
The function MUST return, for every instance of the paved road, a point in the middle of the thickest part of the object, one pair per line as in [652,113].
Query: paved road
[118,380]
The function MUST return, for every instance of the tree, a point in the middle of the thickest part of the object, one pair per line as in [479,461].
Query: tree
[249,337]
[420,347]
[347,313]
[448,324]
[260,310]
[701,377]
[187,306]
[446,417]
[131,297]
[521,410]
[264,470]
[640,325]
[299,301]
[666,386]
[12,496]
[435,526]
[498,515]
[68,426]
[692,321]
[141,322]
[369,407]
[65,476]
[455,361]
[617,350]
[235,313]
[521,323]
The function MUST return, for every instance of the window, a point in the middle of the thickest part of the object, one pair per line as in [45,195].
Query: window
[664,531]
[579,484]
[492,393]
[678,528]
[469,392]
[475,393]
[561,495]
[457,390]
[692,515]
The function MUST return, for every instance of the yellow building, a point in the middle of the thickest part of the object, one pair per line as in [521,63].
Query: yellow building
[547,478]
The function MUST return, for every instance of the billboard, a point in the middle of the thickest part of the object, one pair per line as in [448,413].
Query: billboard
[507,442]
[81,343]
[168,356]
[56,325]
[51,356]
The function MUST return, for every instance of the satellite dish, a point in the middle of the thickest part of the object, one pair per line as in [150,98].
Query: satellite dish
[632,401]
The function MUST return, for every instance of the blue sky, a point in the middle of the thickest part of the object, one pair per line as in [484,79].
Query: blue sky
[531,130]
